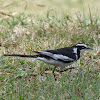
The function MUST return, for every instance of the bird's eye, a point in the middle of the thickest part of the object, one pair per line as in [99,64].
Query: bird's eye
[83,47]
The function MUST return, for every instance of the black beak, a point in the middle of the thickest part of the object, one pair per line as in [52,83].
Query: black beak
[89,48]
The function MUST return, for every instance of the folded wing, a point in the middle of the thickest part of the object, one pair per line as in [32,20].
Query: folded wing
[54,56]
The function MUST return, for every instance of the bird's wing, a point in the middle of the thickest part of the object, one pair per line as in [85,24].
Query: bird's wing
[56,55]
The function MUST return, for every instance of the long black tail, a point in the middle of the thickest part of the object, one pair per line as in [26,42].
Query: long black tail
[24,56]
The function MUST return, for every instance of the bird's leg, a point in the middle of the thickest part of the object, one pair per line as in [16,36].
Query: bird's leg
[68,69]
[54,69]
[54,73]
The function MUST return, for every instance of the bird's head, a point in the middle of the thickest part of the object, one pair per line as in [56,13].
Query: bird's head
[82,47]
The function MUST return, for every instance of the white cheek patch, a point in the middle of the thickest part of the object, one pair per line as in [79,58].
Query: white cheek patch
[75,50]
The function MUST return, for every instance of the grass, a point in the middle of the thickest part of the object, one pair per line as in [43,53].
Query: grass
[28,79]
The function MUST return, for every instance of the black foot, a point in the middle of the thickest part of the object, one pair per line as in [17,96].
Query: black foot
[68,69]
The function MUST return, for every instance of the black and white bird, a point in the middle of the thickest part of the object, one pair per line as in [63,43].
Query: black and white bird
[60,57]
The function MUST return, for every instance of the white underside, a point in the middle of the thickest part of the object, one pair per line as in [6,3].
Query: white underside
[54,62]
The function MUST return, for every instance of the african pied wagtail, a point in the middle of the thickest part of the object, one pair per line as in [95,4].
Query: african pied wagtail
[60,57]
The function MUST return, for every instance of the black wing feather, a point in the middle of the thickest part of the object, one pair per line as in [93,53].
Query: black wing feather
[67,51]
